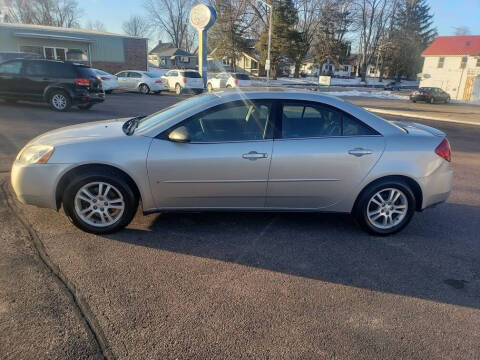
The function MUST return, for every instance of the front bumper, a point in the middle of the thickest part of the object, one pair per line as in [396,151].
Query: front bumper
[36,184]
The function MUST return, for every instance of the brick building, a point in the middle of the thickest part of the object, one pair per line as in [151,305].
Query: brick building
[106,51]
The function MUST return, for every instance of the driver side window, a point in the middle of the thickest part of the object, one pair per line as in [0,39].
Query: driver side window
[242,121]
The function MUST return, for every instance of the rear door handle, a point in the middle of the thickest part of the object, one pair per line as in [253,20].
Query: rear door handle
[358,152]
[253,155]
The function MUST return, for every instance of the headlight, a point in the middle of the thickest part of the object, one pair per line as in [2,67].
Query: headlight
[35,154]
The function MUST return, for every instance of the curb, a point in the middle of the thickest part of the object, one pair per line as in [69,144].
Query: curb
[425,117]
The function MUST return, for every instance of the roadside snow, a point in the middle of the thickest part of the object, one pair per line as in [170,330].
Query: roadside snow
[375,94]
[284,81]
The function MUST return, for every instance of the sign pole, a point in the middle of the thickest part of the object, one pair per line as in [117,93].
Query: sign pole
[202,17]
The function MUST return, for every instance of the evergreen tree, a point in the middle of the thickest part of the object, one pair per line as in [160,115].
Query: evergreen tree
[412,32]
[284,35]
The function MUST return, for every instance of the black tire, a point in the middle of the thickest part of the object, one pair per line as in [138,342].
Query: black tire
[85,106]
[144,89]
[178,89]
[414,101]
[360,212]
[111,177]
[59,100]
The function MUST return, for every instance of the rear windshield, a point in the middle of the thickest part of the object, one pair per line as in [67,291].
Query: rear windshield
[85,72]
[152,75]
[192,74]
[241,76]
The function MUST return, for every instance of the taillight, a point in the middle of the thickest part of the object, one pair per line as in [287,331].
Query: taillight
[82,82]
[444,151]
[158,81]
[184,80]
[105,78]
[236,81]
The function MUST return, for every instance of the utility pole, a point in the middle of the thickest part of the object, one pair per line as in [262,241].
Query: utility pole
[267,63]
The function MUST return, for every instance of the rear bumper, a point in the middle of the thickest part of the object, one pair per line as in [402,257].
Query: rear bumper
[85,97]
[437,186]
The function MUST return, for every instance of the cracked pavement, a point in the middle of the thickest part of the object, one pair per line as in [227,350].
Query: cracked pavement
[241,286]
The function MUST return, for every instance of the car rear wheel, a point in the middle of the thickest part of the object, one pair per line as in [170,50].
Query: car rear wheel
[100,203]
[144,89]
[385,207]
[60,101]
[178,89]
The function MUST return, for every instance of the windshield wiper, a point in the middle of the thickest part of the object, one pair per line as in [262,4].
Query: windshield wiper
[130,125]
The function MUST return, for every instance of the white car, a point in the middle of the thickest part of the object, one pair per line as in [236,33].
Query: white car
[228,80]
[182,80]
[141,81]
[109,81]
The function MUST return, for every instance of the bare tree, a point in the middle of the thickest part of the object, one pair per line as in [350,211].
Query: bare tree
[172,18]
[95,25]
[136,26]
[63,13]
[373,17]
[461,30]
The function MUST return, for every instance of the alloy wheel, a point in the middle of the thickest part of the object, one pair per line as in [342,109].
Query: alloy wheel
[59,101]
[387,208]
[99,204]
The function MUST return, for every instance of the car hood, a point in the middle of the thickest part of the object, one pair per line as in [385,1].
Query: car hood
[82,132]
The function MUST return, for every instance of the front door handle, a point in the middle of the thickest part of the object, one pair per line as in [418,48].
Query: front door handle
[358,152]
[253,155]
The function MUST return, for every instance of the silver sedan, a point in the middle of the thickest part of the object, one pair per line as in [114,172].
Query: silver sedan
[257,151]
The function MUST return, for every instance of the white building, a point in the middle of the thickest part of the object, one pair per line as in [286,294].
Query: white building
[453,64]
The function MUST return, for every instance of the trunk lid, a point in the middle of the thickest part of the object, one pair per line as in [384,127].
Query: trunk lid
[412,127]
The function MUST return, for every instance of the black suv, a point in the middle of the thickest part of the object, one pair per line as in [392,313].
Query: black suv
[60,84]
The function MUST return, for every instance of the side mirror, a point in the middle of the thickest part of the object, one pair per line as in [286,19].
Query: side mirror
[180,134]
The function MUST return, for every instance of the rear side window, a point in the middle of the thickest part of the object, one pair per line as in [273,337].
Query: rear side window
[191,74]
[11,68]
[241,76]
[134,75]
[36,68]
[353,127]
[303,121]
[60,70]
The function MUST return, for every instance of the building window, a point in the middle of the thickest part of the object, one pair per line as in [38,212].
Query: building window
[185,59]
[77,55]
[163,61]
[441,62]
[32,49]
[373,70]
[52,53]
[463,64]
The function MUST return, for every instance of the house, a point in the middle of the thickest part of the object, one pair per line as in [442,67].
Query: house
[167,56]
[4,10]
[309,67]
[246,62]
[107,51]
[453,64]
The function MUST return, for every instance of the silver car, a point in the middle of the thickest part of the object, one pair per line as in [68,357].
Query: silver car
[259,151]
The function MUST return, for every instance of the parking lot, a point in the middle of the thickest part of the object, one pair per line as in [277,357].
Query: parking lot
[239,286]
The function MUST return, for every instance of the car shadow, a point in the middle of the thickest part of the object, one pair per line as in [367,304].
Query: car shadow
[435,258]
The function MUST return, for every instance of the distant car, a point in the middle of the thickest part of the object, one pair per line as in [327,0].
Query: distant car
[143,82]
[237,151]
[394,85]
[60,84]
[228,80]
[109,81]
[11,55]
[431,95]
[184,80]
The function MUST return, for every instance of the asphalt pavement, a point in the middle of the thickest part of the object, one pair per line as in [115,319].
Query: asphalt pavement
[237,286]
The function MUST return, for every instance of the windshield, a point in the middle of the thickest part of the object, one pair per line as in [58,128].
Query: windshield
[192,74]
[172,111]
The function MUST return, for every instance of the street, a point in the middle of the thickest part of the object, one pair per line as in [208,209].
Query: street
[239,286]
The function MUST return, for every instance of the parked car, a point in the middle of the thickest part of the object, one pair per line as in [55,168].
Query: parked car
[184,80]
[11,55]
[254,150]
[228,80]
[60,84]
[431,95]
[393,85]
[142,81]
[109,81]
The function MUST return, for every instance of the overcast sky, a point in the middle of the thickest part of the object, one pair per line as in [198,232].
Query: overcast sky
[448,14]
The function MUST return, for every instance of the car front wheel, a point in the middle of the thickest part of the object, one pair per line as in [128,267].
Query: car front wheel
[100,203]
[385,208]
[144,89]
[60,101]
[178,89]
